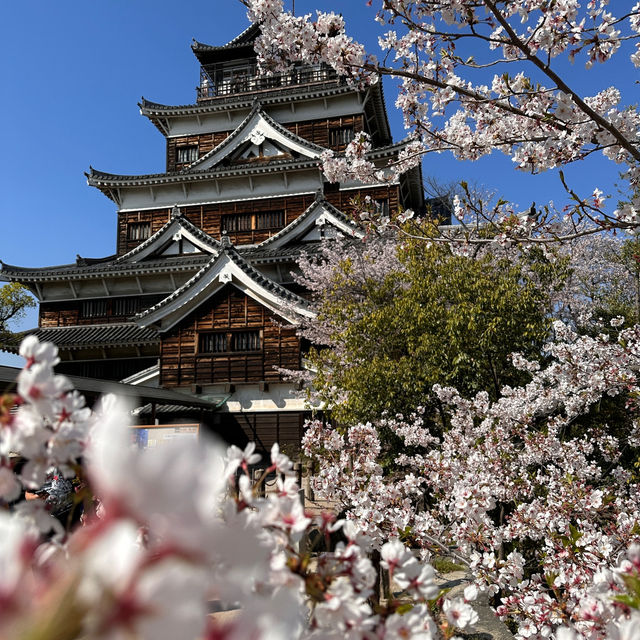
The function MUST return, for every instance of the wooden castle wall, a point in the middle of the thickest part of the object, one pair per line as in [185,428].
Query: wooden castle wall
[208,217]
[65,314]
[205,142]
[228,311]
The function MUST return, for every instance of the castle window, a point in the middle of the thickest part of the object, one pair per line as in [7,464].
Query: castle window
[93,308]
[340,136]
[245,341]
[124,306]
[229,341]
[188,153]
[382,206]
[138,230]
[253,221]
[242,222]
[269,220]
[212,343]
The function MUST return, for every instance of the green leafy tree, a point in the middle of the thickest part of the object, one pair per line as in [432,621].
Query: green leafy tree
[433,318]
[14,302]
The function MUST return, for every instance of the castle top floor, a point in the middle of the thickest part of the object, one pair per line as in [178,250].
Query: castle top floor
[232,70]
[230,85]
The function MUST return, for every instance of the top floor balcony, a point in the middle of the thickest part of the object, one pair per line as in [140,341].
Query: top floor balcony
[218,81]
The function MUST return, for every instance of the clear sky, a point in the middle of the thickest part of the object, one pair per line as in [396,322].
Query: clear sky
[71,74]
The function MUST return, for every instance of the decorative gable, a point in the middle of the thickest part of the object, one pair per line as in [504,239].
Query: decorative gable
[259,137]
[259,148]
[227,268]
[177,237]
[319,221]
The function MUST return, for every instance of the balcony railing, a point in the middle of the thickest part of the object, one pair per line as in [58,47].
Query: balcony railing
[247,80]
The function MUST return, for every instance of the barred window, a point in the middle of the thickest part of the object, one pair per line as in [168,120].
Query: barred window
[138,230]
[382,206]
[245,341]
[213,343]
[253,221]
[124,306]
[93,308]
[269,220]
[188,153]
[242,222]
[222,342]
[341,136]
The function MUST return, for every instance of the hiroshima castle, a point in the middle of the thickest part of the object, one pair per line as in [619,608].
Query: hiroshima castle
[198,304]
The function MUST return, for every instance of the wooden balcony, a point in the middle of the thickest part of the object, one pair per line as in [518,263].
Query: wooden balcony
[216,82]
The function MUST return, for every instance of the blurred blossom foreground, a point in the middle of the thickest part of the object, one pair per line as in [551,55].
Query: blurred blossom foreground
[165,532]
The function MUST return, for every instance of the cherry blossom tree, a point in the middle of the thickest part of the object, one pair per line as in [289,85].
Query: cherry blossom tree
[532,492]
[478,76]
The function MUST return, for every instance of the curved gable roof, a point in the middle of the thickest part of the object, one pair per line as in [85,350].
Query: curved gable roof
[177,225]
[256,127]
[246,37]
[228,267]
[318,214]
[241,45]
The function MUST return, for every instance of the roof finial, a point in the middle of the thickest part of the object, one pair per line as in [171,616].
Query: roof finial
[320,194]
[175,212]
[225,241]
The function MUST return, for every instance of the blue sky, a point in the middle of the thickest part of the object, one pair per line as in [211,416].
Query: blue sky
[72,73]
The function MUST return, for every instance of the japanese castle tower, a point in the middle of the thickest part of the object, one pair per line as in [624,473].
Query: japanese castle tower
[199,296]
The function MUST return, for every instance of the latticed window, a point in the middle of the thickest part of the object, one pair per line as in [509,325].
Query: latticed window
[269,220]
[245,341]
[187,153]
[253,221]
[341,136]
[382,206]
[226,341]
[138,230]
[213,343]
[124,306]
[93,308]
[241,222]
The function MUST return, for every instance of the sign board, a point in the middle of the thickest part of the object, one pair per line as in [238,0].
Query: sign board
[151,436]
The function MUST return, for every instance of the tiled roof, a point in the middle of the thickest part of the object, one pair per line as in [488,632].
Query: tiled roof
[263,280]
[266,255]
[243,100]
[99,179]
[98,270]
[172,409]
[239,261]
[95,387]
[205,238]
[301,218]
[103,335]
[242,39]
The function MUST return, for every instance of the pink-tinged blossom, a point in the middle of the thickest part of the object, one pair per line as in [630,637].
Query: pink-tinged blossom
[279,461]
[10,487]
[36,352]
[395,556]
[237,458]
[416,624]
[189,476]
[459,613]
[417,580]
